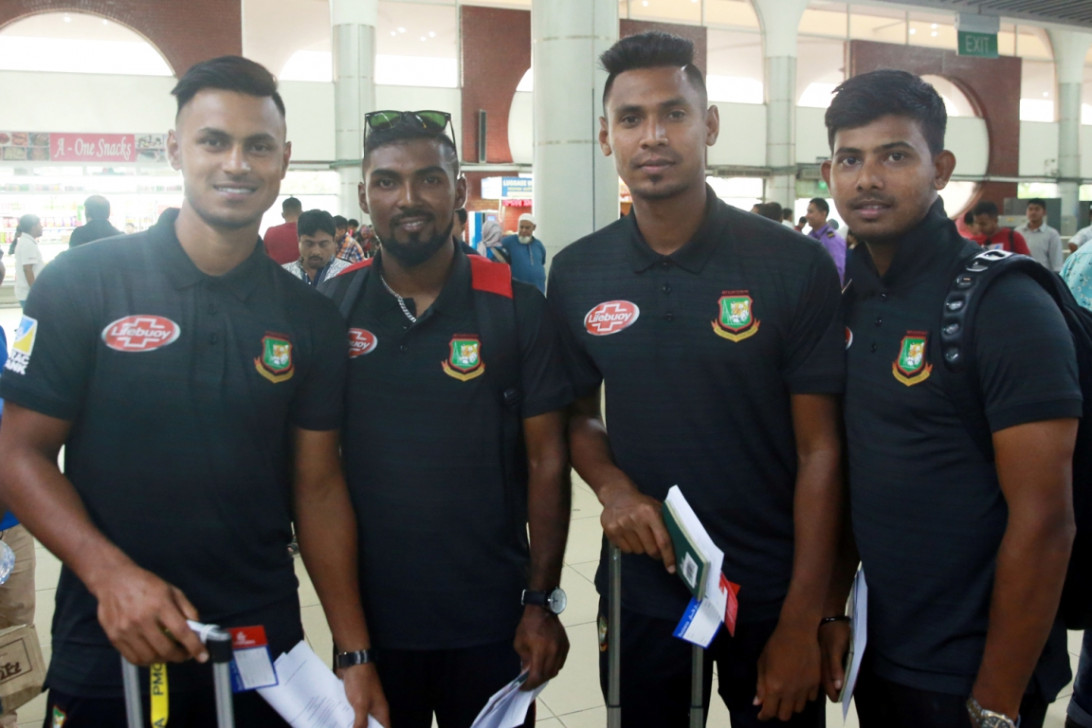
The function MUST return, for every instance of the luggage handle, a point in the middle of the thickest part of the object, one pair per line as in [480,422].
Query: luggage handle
[218,642]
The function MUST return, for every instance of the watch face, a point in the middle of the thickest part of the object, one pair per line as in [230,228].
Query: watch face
[557,600]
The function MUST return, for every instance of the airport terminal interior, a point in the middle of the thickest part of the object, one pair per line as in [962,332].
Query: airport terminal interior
[86,107]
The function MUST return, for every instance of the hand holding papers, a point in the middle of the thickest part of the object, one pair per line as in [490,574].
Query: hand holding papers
[858,599]
[309,694]
[508,707]
[699,563]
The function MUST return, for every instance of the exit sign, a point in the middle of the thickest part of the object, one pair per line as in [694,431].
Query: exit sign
[980,45]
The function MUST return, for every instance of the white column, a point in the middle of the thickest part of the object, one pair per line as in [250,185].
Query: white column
[1069,53]
[779,20]
[575,187]
[353,35]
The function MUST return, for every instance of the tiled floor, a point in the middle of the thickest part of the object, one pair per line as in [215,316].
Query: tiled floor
[572,700]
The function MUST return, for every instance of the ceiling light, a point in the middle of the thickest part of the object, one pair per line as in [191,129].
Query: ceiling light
[934,34]
[933,26]
[432,34]
[67,19]
[401,29]
[913,31]
[423,38]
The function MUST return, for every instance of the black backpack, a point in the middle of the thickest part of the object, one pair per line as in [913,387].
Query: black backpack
[969,281]
[495,310]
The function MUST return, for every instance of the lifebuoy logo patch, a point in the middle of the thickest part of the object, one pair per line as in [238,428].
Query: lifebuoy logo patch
[737,319]
[275,362]
[464,361]
[361,342]
[141,332]
[910,367]
[610,317]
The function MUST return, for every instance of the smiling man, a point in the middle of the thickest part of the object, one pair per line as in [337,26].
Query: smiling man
[965,550]
[718,338]
[197,392]
[454,442]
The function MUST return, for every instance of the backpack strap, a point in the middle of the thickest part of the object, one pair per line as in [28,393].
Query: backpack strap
[969,281]
[345,287]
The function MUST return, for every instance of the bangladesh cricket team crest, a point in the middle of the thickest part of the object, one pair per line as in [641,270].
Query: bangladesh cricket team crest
[910,368]
[464,362]
[737,317]
[275,363]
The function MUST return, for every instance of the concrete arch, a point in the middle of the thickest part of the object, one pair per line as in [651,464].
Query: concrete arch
[183,31]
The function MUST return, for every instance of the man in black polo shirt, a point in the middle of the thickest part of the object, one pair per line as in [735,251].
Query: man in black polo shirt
[442,495]
[197,391]
[718,337]
[964,553]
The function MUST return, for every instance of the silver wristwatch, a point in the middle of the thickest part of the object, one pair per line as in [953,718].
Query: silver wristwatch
[989,719]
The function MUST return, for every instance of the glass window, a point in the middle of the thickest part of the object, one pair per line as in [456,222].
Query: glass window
[820,67]
[274,43]
[736,13]
[735,66]
[416,45]
[933,31]
[78,43]
[308,66]
[521,4]
[1037,91]
[878,24]
[669,11]
[825,18]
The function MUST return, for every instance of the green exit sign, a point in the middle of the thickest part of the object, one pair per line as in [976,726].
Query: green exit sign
[980,45]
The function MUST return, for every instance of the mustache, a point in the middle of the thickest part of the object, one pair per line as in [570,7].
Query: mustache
[397,219]
[662,156]
[872,199]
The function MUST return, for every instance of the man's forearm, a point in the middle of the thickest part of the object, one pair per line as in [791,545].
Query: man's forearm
[548,510]
[591,456]
[1031,566]
[326,529]
[817,523]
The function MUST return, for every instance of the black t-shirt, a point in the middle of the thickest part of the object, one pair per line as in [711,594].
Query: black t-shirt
[92,231]
[700,352]
[928,513]
[443,543]
[182,390]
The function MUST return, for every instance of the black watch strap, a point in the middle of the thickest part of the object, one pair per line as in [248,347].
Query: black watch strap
[359,657]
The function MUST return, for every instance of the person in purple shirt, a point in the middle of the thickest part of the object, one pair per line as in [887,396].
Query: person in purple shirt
[818,209]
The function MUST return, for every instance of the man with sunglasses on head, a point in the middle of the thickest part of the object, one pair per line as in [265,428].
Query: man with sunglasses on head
[447,461]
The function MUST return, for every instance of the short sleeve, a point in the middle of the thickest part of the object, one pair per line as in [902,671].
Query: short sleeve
[320,399]
[815,349]
[583,373]
[1026,363]
[543,376]
[53,350]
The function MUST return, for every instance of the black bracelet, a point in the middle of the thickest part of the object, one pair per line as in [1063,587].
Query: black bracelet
[828,620]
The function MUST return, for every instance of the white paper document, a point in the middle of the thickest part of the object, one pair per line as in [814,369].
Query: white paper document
[309,695]
[508,707]
[702,620]
[858,598]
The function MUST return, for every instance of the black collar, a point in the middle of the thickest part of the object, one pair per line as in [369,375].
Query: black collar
[453,296]
[690,257]
[240,280]
[933,240]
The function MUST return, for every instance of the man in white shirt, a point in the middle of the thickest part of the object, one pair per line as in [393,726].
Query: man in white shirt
[1082,236]
[28,258]
[1044,242]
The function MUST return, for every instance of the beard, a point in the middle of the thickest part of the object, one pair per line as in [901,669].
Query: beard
[416,251]
[526,240]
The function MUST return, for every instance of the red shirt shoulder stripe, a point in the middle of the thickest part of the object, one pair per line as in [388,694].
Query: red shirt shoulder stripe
[487,275]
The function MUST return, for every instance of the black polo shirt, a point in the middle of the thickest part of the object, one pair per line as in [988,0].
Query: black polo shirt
[928,513]
[443,541]
[182,390]
[700,352]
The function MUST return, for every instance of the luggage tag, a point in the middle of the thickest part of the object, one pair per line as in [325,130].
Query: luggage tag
[252,665]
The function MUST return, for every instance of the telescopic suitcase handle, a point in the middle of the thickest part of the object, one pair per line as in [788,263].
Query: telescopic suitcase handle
[218,642]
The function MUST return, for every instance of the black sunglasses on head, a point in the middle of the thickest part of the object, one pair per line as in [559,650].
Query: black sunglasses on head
[433,122]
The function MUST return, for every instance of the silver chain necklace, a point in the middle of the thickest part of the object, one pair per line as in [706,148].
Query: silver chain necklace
[401,301]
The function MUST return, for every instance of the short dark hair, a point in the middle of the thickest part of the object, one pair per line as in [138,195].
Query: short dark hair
[786,214]
[863,99]
[985,207]
[651,49]
[97,207]
[353,222]
[461,214]
[292,205]
[771,210]
[404,131]
[1037,201]
[314,221]
[820,203]
[228,73]
[340,222]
